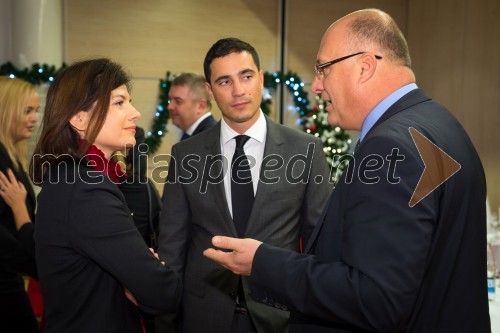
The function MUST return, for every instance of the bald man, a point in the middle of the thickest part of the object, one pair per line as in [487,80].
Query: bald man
[383,257]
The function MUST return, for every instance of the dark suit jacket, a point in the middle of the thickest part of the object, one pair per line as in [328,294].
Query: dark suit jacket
[88,251]
[375,263]
[17,255]
[193,213]
[207,123]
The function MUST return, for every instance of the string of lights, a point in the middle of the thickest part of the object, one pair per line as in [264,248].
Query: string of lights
[37,74]
[313,120]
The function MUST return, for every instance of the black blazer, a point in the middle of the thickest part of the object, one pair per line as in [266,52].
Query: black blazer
[88,251]
[377,264]
[17,255]
[24,235]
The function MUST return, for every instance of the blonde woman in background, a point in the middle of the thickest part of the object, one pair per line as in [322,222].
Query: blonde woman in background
[19,104]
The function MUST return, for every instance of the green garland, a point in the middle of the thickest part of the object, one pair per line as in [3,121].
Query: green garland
[37,74]
[159,127]
[294,85]
[336,142]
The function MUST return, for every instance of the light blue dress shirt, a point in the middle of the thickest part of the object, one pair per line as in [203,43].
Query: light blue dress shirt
[383,106]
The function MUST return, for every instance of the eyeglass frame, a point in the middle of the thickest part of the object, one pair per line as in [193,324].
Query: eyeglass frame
[318,69]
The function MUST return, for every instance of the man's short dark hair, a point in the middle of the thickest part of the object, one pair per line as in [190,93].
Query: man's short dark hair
[224,47]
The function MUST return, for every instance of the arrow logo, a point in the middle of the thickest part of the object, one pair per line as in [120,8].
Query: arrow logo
[439,167]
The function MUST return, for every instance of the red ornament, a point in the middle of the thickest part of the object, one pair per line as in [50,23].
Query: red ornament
[313,127]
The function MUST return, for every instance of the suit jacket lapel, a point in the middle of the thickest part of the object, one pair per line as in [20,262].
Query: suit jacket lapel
[274,145]
[217,191]
[317,228]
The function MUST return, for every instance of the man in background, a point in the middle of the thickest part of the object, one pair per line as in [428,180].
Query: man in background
[190,105]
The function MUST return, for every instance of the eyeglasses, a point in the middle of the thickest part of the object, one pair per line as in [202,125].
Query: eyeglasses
[319,69]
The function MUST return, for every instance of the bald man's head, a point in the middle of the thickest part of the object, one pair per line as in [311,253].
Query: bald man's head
[375,30]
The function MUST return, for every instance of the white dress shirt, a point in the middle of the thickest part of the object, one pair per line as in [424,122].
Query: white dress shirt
[254,149]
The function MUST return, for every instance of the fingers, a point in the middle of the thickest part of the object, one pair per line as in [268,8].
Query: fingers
[226,243]
[3,181]
[21,186]
[130,297]
[219,257]
[7,180]
[239,258]
[12,178]
[11,187]
[154,253]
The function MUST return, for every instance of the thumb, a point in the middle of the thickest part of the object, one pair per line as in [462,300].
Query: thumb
[223,242]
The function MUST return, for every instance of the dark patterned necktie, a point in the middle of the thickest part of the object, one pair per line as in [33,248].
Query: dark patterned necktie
[185,136]
[241,186]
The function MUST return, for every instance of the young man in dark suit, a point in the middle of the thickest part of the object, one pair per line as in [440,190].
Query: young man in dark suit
[401,246]
[190,105]
[212,190]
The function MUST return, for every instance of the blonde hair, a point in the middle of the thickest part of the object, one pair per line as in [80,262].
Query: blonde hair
[14,98]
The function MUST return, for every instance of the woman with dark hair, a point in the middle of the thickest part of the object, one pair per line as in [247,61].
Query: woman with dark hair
[95,270]
[19,104]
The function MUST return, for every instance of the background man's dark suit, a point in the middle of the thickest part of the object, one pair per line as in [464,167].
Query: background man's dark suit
[413,269]
[204,125]
[282,213]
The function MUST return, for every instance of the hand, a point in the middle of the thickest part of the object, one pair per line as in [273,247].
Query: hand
[156,255]
[12,192]
[240,260]
[130,297]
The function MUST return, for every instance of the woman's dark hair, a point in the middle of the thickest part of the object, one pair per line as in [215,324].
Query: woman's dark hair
[83,86]
[224,47]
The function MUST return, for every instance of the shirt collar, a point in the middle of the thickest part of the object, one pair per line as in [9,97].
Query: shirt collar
[383,106]
[258,130]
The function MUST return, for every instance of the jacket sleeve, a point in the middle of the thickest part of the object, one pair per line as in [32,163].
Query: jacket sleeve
[102,228]
[174,234]
[384,244]
[318,191]
[17,250]
[175,220]
[13,251]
